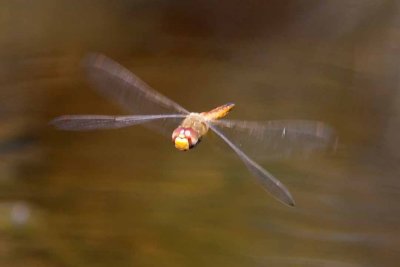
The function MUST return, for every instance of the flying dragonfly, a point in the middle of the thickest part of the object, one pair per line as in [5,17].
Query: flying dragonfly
[149,107]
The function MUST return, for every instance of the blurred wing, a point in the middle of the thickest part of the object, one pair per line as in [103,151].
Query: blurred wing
[267,180]
[116,82]
[278,139]
[93,122]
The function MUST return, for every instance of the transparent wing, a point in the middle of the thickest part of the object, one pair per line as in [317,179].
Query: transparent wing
[116,82]
[93,122]
[278,139]
[267,180]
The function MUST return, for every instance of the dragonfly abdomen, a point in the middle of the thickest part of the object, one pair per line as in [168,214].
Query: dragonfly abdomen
[219,112]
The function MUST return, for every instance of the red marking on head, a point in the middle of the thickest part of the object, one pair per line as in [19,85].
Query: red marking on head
[186,133]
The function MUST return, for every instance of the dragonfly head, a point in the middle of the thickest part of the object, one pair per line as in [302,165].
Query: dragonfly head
[185,138]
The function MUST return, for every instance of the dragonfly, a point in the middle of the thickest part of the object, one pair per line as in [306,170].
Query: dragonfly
[186,129]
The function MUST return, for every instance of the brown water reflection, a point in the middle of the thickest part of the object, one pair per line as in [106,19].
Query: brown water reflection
[127,198]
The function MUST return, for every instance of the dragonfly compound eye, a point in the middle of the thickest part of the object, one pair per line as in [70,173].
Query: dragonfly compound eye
[184,138]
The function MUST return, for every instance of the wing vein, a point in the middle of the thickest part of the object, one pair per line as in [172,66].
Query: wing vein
[114,80]
[266,179]
[93,122]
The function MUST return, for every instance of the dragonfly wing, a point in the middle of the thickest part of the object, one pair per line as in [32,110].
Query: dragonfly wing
[266,179]
[278,139]
[116,82]
[93,122]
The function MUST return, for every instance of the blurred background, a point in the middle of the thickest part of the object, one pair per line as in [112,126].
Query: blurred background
[128,198]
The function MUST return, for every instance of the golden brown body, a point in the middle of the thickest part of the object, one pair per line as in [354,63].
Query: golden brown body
[197,122]
[195,126]
[219,112]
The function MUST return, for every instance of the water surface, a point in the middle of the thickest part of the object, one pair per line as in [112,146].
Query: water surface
[128,198]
